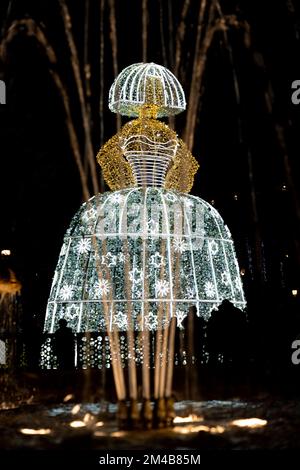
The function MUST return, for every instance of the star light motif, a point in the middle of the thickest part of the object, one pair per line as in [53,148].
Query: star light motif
[84,246]
[109,259]
[120,320]
[102,287]
[209,289]
[66,292]
[157,260]
[136,276]
[151,321]
[72,311]
[161,288]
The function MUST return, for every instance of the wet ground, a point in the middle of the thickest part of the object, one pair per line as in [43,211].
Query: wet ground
[202,425]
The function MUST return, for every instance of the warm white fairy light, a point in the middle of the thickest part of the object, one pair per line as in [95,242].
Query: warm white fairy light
[149,159]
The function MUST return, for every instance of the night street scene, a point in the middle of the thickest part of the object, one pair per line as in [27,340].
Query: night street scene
[150,237]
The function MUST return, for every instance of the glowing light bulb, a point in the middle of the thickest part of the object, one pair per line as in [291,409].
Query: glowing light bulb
[35,432]
[294,292]
[77,424]
[5,252]
[249,423]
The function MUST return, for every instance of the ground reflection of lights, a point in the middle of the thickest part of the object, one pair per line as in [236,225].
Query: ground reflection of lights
[249,423]
[77,424]
[197,428]
[35,432]
[192,418]
[118,434]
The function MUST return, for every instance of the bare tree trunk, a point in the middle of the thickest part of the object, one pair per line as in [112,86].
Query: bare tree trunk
[144,29]
[77,76]
[114,45]
[101,94]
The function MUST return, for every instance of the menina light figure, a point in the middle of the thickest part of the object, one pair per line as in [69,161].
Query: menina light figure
[135,259]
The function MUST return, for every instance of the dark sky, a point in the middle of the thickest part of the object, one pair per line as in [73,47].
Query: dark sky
[238,145]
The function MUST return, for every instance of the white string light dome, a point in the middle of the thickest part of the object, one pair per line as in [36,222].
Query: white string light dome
[141,84]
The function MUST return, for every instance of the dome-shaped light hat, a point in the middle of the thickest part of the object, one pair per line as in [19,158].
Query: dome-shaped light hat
[146,84]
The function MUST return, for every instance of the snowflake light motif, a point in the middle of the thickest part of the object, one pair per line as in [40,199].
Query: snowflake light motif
[157,260]
[66,292]
[121,257]
[116,198]
[120,320]
[180,316]
[162,288]
[101,288]
[225,278]
[190,293]
[84,246]
[151,321]
[213,247]
[209,289]
[179,245]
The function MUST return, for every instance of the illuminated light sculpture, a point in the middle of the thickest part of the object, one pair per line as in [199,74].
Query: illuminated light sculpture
[135,259]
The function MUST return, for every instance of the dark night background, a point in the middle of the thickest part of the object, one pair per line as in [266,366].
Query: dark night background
[248,148]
